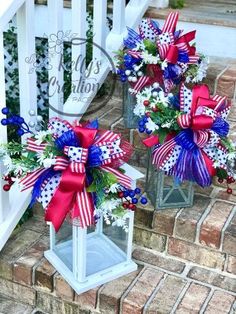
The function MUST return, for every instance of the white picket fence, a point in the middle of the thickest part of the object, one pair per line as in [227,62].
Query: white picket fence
[14,203]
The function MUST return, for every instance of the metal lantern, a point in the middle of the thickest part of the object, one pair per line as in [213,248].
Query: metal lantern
[129,102]
[165,191]
[89,257]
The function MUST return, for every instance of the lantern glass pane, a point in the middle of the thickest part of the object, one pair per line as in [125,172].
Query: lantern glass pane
[106,248]
[129,102]
[165,191]
[63,244]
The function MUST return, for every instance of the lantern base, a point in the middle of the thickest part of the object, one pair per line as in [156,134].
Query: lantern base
[105,262]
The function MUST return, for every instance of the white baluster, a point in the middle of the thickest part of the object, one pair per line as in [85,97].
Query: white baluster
[99,26]
[74,104]
[4,196]
[26,49]
[56,71]
[118,17]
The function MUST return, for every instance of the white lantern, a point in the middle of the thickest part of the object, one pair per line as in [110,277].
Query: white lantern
[89,257]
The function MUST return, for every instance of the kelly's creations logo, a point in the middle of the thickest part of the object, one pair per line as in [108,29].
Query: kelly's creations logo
[89,86]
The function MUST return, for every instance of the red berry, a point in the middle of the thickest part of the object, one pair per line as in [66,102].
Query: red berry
[229,191]
[232,180]
[155,109]
[229,180]
[126,205]
[220,180]
[148,114]
[146,103]
[132,207]
[6,187]
[120,194]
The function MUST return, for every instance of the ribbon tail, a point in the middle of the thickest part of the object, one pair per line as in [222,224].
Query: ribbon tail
[122,178]
[171,22]
[59,207]
[84,208]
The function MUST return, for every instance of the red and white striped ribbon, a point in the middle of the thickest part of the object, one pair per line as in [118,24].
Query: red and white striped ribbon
[33,147]
[122,178]
[29,180]
[160,154]
[170,23]
[201,138]
[61,163]
[142,81]
[184,120]
[85,208]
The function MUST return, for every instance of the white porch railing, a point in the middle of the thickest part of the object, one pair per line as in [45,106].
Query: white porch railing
[14,203]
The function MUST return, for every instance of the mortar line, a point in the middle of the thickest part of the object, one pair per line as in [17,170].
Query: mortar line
[175,220]
[97,304]
[233,308]
[201,220]
[132,284]
[188,279]
[152,296]
[186,262]
[180,297]
[230,217]
[217,78]
[115,123]
[205,303]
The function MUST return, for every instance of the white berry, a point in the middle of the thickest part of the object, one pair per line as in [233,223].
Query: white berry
[155,94]
[31,124]
[31,113]
[140,73]
[127,72]
[155,85]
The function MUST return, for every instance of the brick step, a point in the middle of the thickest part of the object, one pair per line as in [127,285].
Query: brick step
[204,234]
[162,284]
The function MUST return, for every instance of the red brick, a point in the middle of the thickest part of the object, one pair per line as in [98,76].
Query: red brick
[186,223]
[225,88]
[210,233]
[18,243]
[221,302]
[111,293]
[230,237]
[63,289]
[229,74]
[118,127]
[44,275]
[23,267]
[88,299]
[163,221]
[110,118]
[231,264]
[19,292]
[171,287]
[213,278]
[149,239]
[196,254]
[144,215]
[137,297]
[153,258]
[137,140]
[193,299]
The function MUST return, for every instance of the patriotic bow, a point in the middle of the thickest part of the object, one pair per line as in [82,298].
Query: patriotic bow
[190,155]
[174,49]
[62,188]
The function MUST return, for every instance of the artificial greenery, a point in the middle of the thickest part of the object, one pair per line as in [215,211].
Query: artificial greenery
[177,4]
